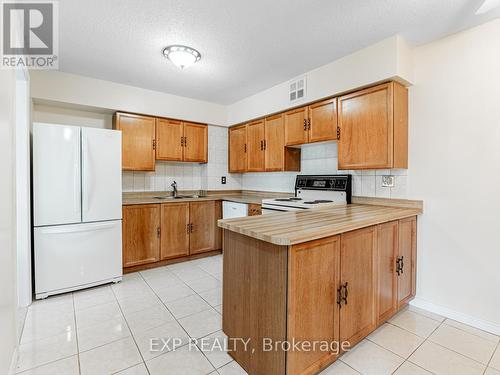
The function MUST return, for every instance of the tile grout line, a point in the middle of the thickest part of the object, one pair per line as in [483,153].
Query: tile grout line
[173,316]
[131,335]
[196,293]
[76,334]
[491,358]
[422,343]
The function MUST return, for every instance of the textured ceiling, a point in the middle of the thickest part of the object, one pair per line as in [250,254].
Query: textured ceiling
[246,46]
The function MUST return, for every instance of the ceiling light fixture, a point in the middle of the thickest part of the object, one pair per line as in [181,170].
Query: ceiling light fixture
[182,56]
[487,6]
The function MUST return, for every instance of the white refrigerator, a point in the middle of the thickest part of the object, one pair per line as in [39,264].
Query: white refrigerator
[77,207]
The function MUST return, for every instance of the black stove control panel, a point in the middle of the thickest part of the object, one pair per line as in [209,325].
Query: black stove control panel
[340,182]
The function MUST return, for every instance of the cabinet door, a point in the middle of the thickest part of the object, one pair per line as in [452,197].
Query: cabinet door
[255,147]
[138,139]
[366,128]
[218,230]
[358,274]
[323,121]
[313,313]
[195,142]
[202,237]
[408,256]
[238,149]
[387,250]
[274,143]
[169,142]
[254,209]
[174,230]
[296,127]
[141,229]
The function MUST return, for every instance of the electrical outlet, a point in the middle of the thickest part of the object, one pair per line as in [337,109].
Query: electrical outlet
[223,180]
[387,181]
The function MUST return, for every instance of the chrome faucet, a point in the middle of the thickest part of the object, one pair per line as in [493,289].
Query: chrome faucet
[174,186]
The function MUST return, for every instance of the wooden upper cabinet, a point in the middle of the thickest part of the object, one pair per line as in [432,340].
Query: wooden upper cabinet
[238,149]
[255,146]
[174,230]
[313,313]
[141,234]
[373,126]
[195,142]
[387,252]
[322,121]
[138,141]
[202,236]
[169,140]
[407,257]
[274,145]
[296,132]
[358,279]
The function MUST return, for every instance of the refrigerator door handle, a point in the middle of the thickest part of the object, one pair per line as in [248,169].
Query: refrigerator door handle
[78,228]
[76,180]
[85,174]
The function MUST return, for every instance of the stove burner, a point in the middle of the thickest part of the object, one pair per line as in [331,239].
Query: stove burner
[295,199]
[319,201]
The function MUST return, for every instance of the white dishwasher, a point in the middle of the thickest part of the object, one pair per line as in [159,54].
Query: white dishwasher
[233,209]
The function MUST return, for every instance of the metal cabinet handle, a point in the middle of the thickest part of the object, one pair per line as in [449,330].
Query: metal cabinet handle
[188,228]
[346,292]
[261,145]
[402,263]
[305,124]
[339,297]
[309,124]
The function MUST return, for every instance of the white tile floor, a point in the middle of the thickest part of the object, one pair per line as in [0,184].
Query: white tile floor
[107,330]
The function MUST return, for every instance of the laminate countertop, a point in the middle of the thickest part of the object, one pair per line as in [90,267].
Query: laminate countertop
[238,198]
[294,227]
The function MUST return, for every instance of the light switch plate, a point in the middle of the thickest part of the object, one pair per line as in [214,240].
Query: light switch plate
[387,181]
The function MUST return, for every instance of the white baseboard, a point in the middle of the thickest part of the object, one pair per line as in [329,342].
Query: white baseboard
[458,316]
[13,362]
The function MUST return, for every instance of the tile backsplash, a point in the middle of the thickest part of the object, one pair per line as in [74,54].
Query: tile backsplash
[316,159]
[189,176]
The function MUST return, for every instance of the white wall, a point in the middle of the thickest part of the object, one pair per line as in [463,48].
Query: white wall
[78,90]
[8,300]
[388,59]
[454,167]
[70,116]
[23,190]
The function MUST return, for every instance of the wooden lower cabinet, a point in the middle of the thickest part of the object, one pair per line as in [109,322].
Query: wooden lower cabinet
[141,240]
[203,226]
[313,314]
[156,233]
[407,260]
[254,209]
[387,249]
[358,284]
[337,290]
[174,230]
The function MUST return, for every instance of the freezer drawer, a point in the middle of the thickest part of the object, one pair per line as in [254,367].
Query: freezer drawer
[70,257]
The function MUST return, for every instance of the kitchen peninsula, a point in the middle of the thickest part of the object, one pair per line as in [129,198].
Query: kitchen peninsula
[329,274]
